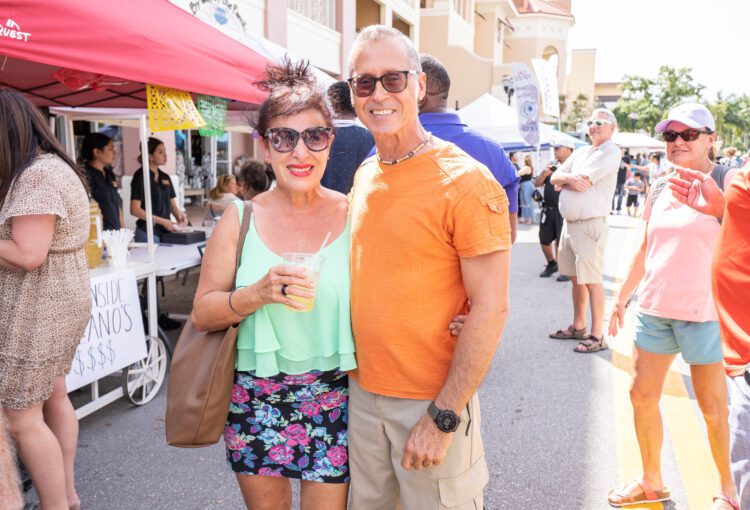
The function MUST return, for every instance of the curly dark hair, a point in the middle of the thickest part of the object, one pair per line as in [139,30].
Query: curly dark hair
[256,177]
[340,97]
[292,89]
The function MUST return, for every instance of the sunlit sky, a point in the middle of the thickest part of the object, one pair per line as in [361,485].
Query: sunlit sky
[637,36]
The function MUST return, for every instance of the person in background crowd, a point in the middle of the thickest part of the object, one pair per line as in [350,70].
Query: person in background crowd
[676,313]
[656,169]
[588,179]
[352,143]
[622,176]
[430,231]
[45,295]
[256,177]
[730,274]
[224,193]
[634,188]
[526,187]
[640,159]
[730,158]
[163,196]
[551,223]
[447,125]
[98,154]
[289,411]
[10,485]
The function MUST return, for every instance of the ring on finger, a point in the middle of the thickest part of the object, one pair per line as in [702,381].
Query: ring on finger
[283,289]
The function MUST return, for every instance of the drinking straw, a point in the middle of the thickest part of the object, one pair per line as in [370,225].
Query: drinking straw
[328,235]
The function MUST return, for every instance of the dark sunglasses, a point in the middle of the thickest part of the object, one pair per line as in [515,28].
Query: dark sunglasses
[285,139]
[395,81]
[689,135]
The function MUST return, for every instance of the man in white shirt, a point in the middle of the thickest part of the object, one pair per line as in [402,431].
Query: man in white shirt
[588,180]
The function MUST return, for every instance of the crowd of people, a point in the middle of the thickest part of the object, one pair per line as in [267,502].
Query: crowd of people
[371,402]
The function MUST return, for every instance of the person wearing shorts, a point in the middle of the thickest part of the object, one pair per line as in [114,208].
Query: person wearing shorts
[551,222]
[587,181]
[634,187]
[676,314]
[731,291]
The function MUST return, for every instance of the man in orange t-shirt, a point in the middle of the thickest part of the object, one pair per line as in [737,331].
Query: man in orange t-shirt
[731,292]
[430,233]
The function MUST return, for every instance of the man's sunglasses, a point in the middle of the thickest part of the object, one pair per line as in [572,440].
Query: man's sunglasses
[395,81]
[689,135]
[285,139]
[598,123]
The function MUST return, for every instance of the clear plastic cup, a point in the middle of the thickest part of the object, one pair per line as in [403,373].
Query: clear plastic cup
[313,264]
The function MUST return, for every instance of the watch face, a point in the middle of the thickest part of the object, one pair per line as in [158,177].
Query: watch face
[446,421]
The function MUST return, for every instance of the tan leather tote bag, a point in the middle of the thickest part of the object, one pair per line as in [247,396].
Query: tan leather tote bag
[201,377]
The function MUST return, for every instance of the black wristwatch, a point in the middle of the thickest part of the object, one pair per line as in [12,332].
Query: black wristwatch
[445,419]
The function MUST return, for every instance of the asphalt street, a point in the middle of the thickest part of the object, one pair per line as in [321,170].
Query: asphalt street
[557,425]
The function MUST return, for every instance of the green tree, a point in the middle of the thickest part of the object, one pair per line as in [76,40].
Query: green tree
[580,109]
[645,101]
[732,116]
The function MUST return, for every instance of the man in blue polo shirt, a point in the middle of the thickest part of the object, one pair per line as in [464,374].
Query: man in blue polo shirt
[441,122]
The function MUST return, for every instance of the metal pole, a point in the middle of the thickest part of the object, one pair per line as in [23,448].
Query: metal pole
[214,158]
[151,280]
[147,187]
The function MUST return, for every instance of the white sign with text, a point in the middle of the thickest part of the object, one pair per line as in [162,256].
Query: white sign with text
[114,337]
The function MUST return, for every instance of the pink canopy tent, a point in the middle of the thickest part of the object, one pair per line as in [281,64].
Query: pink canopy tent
[116,47]
[101,54]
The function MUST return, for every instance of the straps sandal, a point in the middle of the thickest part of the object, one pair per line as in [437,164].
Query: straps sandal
[569,333]
[591,344]
[635,493]
[724,502]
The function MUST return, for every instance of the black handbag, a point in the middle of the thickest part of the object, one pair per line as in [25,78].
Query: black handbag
[536,196]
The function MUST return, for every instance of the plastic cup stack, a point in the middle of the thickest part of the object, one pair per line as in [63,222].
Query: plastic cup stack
[117,246]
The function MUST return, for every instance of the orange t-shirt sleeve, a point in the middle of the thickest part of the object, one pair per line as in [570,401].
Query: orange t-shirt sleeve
[481,221]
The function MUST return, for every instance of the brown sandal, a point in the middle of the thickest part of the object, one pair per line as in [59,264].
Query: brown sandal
[569,333]
[591,344]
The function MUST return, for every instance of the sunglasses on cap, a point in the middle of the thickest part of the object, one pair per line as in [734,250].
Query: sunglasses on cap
[689,135]
[598,123]
[395,81]
[285,139]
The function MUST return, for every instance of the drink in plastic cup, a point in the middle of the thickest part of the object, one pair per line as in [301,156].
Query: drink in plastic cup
[313,263]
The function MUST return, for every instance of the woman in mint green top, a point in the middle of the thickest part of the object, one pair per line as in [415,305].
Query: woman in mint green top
[289,411]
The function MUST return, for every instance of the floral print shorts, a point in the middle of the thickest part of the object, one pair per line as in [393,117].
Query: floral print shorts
[291,426]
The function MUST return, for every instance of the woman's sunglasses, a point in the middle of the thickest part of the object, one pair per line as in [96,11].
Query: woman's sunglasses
[285,139]
[689,135]
[396,81]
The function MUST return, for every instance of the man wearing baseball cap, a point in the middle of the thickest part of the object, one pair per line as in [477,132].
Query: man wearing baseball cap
[551,223]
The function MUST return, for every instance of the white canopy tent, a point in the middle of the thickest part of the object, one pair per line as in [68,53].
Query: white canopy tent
[637,141]
[495,119]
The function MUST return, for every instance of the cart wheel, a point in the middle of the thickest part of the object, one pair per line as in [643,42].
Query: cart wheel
[142,380]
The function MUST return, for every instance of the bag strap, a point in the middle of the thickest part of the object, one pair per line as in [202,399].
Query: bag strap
[659,186]
[244,227]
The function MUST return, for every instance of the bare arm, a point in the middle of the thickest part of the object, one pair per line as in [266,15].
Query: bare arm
[137,211]
[632,280]
[525,170]
[486,282]
[211,309]
[31,238]
[513,219]
[539,179]
[175,210]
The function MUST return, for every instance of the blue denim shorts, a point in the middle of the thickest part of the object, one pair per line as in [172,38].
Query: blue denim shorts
[698,342]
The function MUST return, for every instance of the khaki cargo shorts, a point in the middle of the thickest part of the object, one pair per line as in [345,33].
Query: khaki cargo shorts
[582,249]
[379,427]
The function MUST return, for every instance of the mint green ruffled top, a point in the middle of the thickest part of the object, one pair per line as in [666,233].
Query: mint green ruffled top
[274,339]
